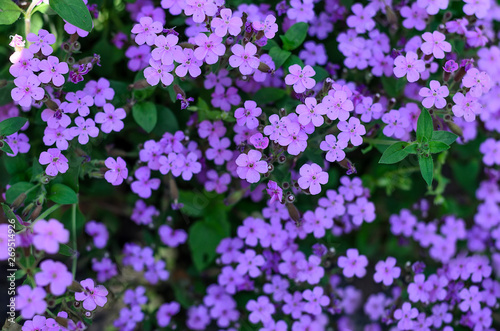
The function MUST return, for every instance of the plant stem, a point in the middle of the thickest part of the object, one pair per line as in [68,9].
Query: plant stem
[27,18]
[73,230]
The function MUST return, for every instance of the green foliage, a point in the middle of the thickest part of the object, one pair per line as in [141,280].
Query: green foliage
[444,136]
[62,194]
[268,95]
[394,153]
[295,36]
[145,114]
[424,126]
[74,12]
[279,56]
[12,125]
[18,188]
[9,12]
[426,168]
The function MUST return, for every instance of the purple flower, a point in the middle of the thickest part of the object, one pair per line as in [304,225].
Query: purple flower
[144,184]
[316,222]
[248,115]
[200,9]
[312,177]
[353,264]
[171,237]
[433,6]
[249,262]
[158,71]
[53,71]
[261,310]
[450,66]
[18,142]
[397,124]
[434,44]
[92,296]
[111,118]
[414,17]
[117,170]
[301,79]
[166,47]
[244,58]
[409,66]
[274,191]
[478,82]
[466,106]
[80,101]
[216,183]
[100,91]
[315,300]
[41,42]
[362,20]
[57,162]
[226,23]
[54,274]
[250,167]
[309,112]
[387,271]
[188,63]
[30,301]
[352,130]
[165,313]
[98,232]
[84,129]
[259,141]
[479,8]
[209,48]
[405,315]
[146,30]
[48,235]
[313,54]
[336,105]
[269,26]
[435,96]
[27,90]
[334,148]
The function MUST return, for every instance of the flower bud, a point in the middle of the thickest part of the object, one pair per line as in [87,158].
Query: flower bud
[139,85]
[174,191]
[27,210]
[391,16]
[234,197]
[294,212]
[186,45]
[76,287]
[18,201]
[455,129]
[62,321]
[36,212]
[264,67]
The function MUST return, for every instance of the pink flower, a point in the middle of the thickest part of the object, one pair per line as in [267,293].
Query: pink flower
[311,176]
[18,142]
[300,78]
[187,63]
[25,64]
[218,151]
[209,48]
[30,301]
[80,101]
[274,191]
[48,235]
[41,42]
[226,23]
[406,316]
[334,148]
[386,271]
[410,66]
[353,264]
[477,7]
[244,58]
[269,26]
[117,170]
[144,184]
[309,112]
[466,106]
[478,82]
[165,49]
[175,7]
[100,91]
[435,96]
[84,129]
[250,167]
[53,70]
[415,17]
[158,71]
[200,9]
[57,162]
[27,90]
[248,115]
[434,44]
[146,30]
[259,141]
[336,105]
[54,274]
[362,20]
[92,296]
[352,130]
[433,6]
[111,118]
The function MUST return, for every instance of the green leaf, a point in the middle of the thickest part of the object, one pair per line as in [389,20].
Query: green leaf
[5,147]
[394,153]
[9,12]
[444,136]
[295,36]
[167,122]
[411,148]
[203,240]
[438,146]
[66,250]
[15,190]
[12,125]
[393,87]
[145,114]
[424,126]
[62,194]
[321,73]
[279,56]
[74,12]
[293,59]
[268,95]
[426,168]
